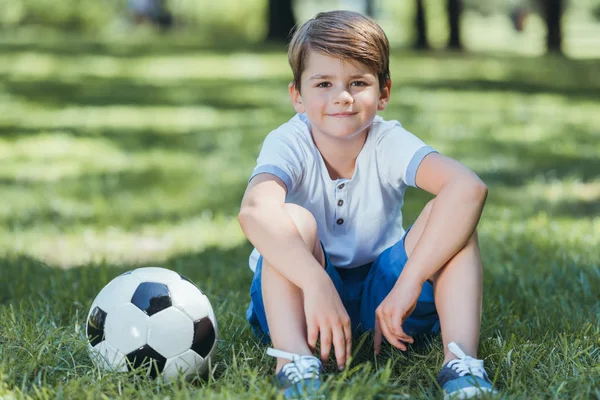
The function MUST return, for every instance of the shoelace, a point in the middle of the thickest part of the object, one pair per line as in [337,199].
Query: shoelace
[465,364]
[301,367]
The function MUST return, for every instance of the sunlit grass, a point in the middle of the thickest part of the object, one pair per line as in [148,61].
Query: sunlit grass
[148,243]
[170,68]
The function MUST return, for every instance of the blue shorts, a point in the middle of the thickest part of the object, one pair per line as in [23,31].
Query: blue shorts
[361,290]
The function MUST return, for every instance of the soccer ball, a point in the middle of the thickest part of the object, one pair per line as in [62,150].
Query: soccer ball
[152,318]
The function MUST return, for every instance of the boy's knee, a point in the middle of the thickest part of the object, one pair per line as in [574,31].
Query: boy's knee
[307,226]
[305,222]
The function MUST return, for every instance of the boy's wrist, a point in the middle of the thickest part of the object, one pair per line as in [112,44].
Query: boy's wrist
[412,275]
[313,278]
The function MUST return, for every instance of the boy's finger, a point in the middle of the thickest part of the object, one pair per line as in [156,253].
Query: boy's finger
[339,344]
[377,338]
[325,344]
[398,331]
[396,324]
[312,335]
[348,335]
[405,337]
[387,332]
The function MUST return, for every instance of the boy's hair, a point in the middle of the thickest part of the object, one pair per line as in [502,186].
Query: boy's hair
[344,34]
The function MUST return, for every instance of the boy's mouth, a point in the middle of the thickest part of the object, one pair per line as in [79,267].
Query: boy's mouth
[342,115]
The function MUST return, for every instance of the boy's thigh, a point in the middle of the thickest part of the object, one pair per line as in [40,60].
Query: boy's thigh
[256,314]
[381,279]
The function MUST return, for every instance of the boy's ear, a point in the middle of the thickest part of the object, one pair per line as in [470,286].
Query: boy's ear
[296,98]
[384,97]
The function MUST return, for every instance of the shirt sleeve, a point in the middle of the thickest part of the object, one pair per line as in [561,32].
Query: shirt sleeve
[399,154]
[281,155]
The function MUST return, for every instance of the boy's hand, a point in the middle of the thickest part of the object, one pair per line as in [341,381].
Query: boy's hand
[393,311]
[326,317]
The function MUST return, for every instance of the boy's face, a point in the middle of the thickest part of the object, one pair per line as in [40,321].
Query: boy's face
[340,97]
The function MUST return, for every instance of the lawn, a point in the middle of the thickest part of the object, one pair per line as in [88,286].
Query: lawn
[127,154]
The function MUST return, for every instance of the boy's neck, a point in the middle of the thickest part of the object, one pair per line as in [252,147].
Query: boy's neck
[340,155]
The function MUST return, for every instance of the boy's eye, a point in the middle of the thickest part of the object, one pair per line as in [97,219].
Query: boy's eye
[323,84]
[359,83]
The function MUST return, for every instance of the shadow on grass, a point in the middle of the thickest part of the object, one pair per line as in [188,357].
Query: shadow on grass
[155,46]
[200,142]
[224,94]
[569,208]
[587,92]
[556,166]
[119,188]
[223,274]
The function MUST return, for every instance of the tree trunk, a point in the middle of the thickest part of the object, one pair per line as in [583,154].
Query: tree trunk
[281,20]
[370,8]
[454,9]
[421,26]
[553,10]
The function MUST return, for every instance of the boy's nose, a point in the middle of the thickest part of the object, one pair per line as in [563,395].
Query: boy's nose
[343,97]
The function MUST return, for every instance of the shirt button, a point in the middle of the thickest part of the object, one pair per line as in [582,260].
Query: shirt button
[341,186]
[340,221]
[340,203]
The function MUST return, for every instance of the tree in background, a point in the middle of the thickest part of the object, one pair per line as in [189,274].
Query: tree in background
[370,8]
[281,20]
[421,27]
[553,11]
[454,10]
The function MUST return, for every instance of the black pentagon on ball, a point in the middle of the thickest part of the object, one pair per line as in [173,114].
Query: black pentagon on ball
[151,297]
[146,357]
[204,336]
[185,278]
[95,326]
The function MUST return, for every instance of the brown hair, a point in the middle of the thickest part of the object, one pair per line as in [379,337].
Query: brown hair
[344,34]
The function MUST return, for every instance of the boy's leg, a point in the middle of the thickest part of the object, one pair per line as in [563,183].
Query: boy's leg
[283,301]
[457,291]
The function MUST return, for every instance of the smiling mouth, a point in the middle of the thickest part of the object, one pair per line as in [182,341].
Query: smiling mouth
[342,115]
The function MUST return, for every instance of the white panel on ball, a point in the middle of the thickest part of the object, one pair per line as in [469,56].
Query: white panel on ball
[170,332]
[126,328]
[188,364]
[155,274]
[108,357]
[189,299]
[117,292]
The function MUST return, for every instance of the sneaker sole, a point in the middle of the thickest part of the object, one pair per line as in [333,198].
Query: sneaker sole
[467,393]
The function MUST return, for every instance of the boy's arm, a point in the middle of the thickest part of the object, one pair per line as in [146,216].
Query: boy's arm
[460,197]
[271,230]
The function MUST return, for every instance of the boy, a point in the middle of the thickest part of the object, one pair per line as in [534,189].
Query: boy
[323,210]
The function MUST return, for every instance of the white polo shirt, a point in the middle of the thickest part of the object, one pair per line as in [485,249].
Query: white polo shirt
[357,218]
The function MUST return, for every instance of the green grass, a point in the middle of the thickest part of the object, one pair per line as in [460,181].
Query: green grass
[114,156]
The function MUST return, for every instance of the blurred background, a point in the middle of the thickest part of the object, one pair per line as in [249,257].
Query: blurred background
[515,26]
